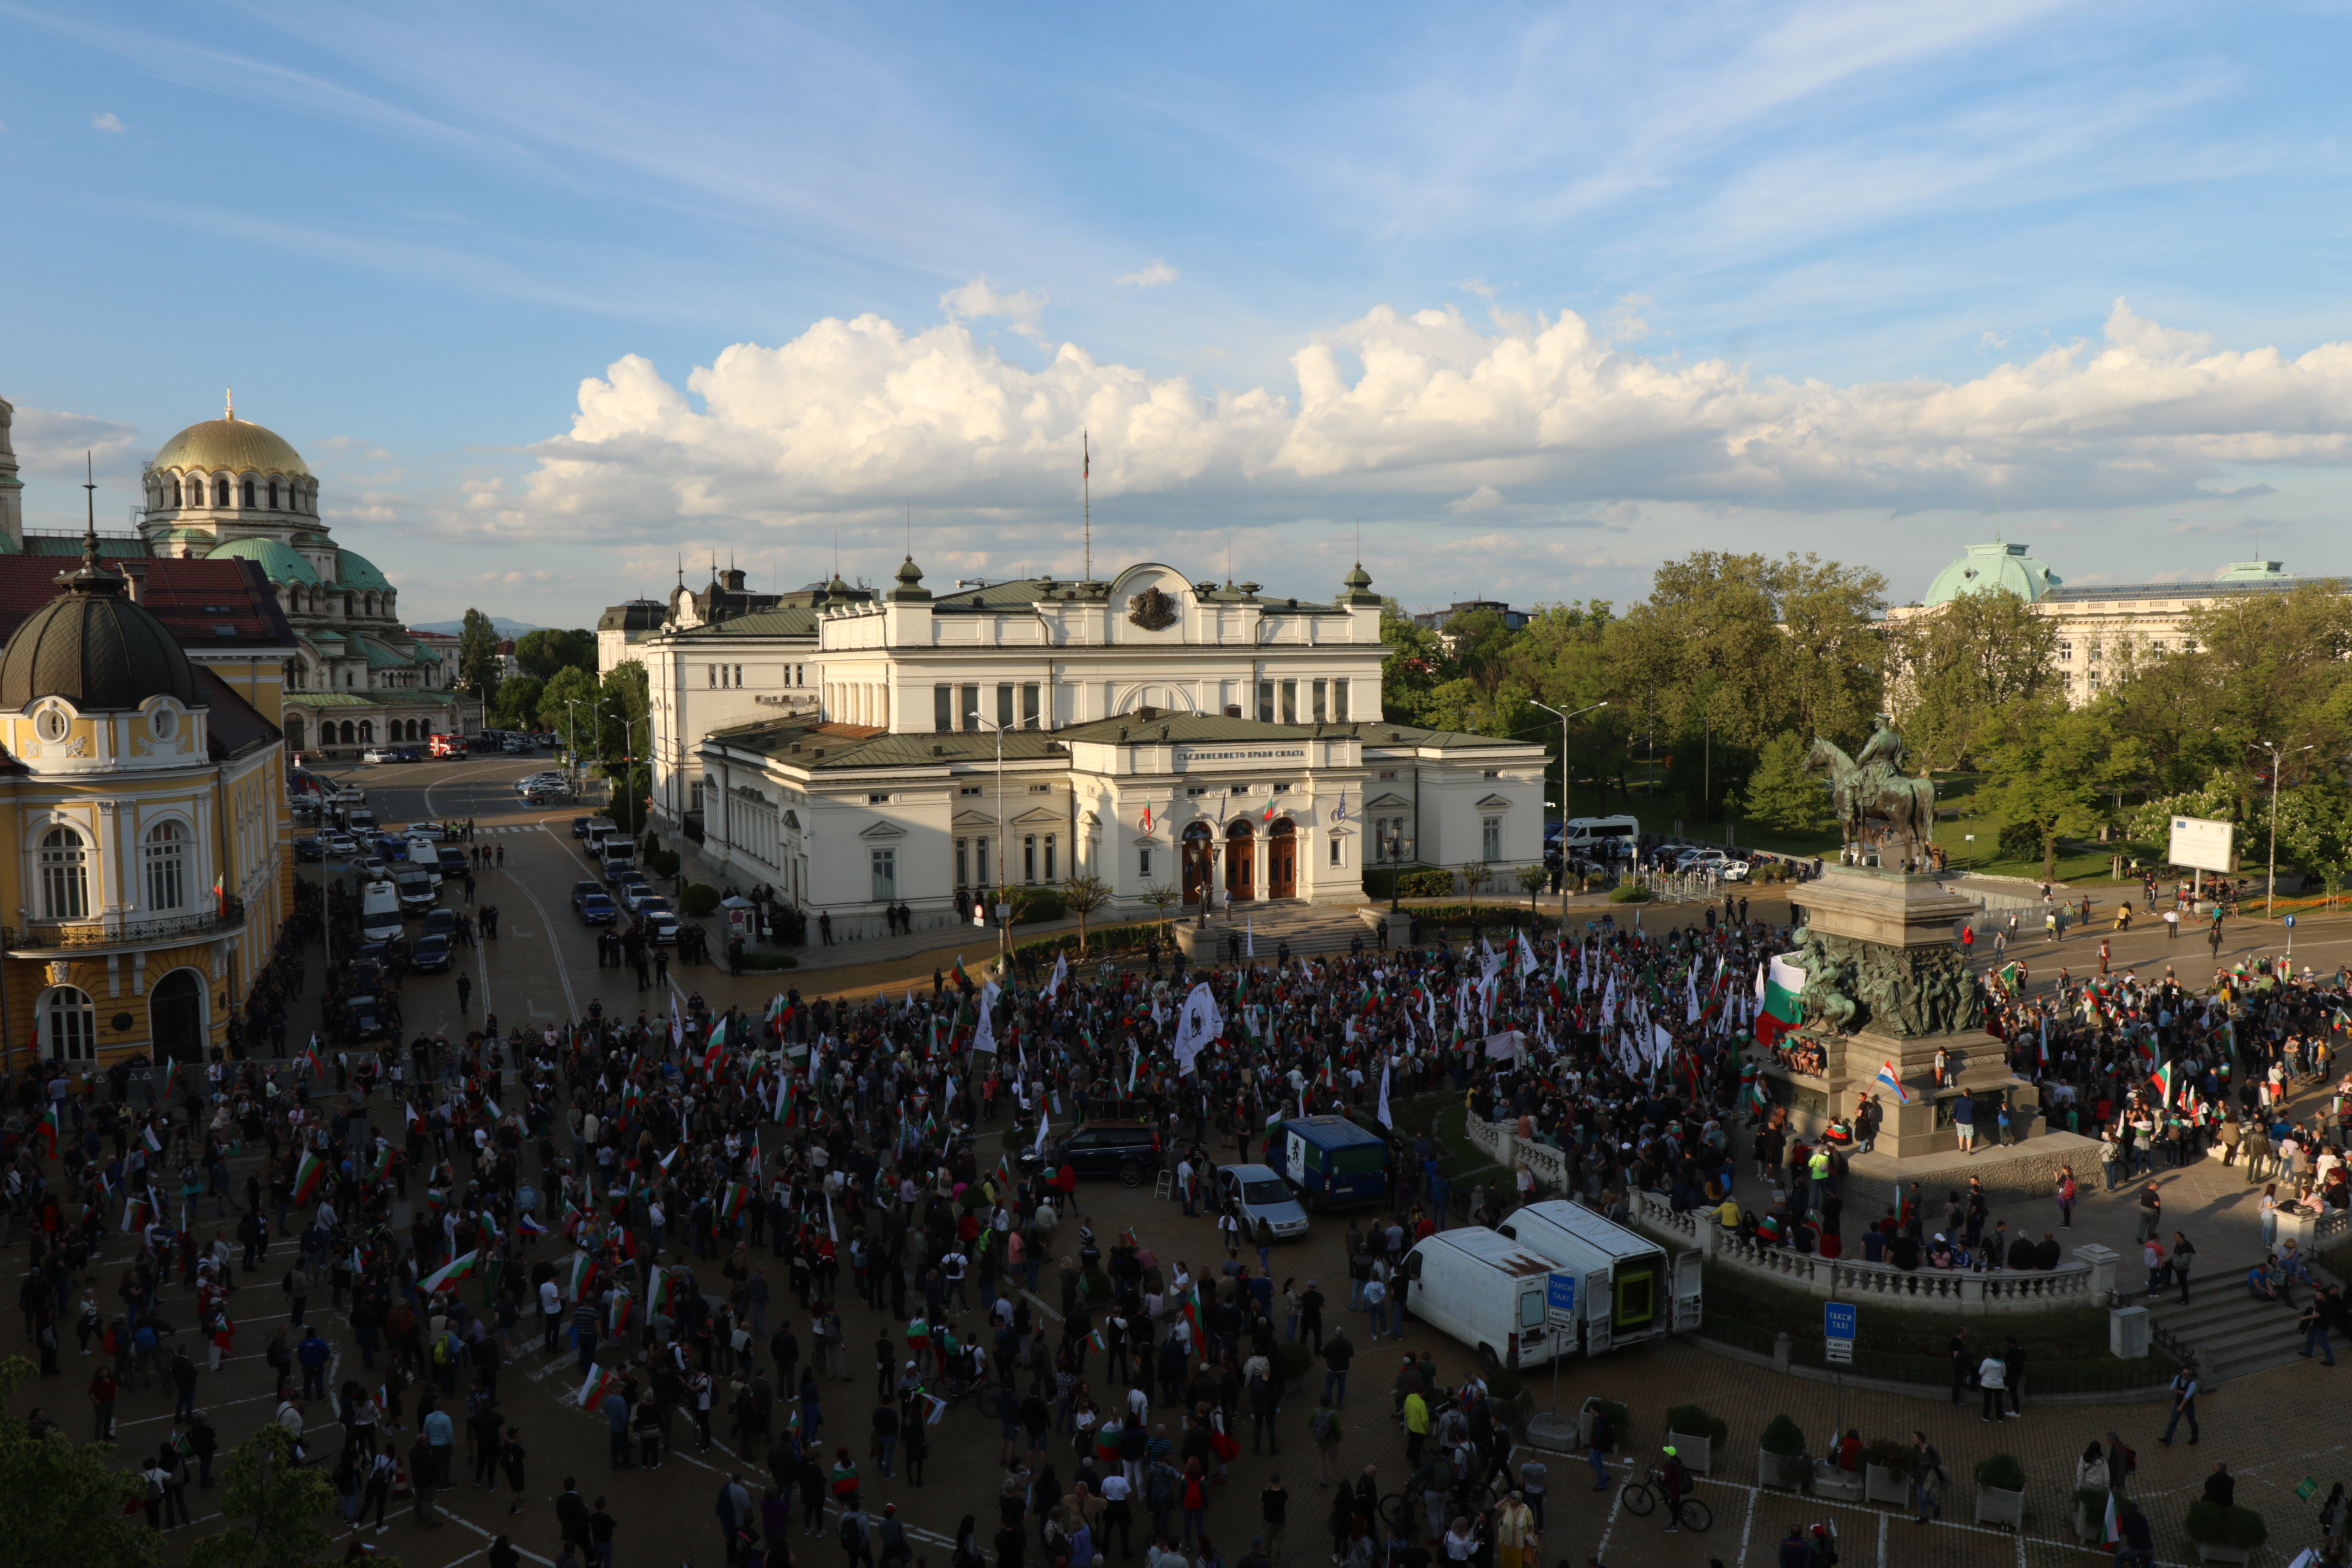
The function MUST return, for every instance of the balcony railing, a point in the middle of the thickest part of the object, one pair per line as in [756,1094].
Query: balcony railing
[229,916]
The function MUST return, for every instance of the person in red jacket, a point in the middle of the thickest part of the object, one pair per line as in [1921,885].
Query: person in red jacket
[101,1399]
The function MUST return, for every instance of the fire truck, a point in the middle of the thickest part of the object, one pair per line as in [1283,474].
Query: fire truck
[448,745]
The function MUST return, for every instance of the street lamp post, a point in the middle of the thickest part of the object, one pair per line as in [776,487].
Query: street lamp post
[2270,878]
[1004,903]
[1564,718]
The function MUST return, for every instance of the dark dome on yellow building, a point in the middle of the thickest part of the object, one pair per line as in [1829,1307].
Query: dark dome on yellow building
[93,646]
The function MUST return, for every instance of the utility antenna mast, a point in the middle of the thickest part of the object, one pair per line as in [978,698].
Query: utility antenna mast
[1086,491]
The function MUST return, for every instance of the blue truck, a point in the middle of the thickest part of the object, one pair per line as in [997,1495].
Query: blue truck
[1333,1163]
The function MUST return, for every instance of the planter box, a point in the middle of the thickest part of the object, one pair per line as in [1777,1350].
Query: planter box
[2206,1553]
[1995,1506]
[1881,1485]
[1784,1470]
[1695,1453]
[1838,1485]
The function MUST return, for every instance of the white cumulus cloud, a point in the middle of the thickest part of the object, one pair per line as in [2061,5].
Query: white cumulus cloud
[977,301]
[1149,277]
[856,416]
[108,121]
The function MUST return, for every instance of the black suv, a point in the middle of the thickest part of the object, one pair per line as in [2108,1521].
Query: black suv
[1127,1150]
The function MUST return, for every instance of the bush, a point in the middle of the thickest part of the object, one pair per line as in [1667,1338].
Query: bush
[1782,1436]
[2021,841]
[1692,1421]
[1431,882]
[665,862]
[2214,1525]
[2002,1472]
[1895,1458]
[698,900]
[1293,1360]
[1031,905]
[767,961]
[1628,893]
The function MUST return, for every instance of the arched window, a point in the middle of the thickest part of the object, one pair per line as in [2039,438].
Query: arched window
[64,874]
[175,492]
[70,1024]
[273,495]
[367,731]
[294,731]
[166,855]
[245,491]
[220,490]
[347,730]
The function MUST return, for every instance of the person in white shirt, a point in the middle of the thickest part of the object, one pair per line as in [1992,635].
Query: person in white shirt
[551,1313]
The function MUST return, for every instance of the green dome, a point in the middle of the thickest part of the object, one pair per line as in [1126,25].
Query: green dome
[279,562]
[354,570]
[1986,567]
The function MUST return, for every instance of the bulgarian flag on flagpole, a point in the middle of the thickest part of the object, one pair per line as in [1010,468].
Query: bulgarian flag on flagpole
[2162,1079]
[305,1176]
[49,1127]
[1777,989]
[458,1267]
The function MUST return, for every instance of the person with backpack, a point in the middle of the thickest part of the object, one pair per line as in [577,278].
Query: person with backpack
[1675,1481]
[1323,1431]
[856,1538]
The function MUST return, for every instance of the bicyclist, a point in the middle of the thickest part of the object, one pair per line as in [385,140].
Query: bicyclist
[1676,1482]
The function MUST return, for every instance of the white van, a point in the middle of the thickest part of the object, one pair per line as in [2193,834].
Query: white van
[379,912]
[1600,837]
[1488,1291]
[1628,1290]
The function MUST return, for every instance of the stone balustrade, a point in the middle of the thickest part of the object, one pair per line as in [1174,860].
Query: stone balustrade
[2084,1282]
[1499,1144]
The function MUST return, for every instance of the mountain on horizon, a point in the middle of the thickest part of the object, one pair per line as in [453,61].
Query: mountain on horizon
[500,624]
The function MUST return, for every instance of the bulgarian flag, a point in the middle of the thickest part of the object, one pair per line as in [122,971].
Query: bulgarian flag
[600,1382]
[1189,1303]
[782,1108]
[305,1176]
[2162,1079]
[665,1286]
[49,1129]
[2111,1532]
[1146,824]
[584,1270]
[731,1205]
[1777,989]
[458,1267]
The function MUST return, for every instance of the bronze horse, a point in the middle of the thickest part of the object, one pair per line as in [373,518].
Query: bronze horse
[1875,790]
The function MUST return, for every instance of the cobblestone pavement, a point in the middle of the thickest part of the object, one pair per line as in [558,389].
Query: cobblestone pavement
[2273,1428]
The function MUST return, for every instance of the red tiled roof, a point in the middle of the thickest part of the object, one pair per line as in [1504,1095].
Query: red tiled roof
[205,604]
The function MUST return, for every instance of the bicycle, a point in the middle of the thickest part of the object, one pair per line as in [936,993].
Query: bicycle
[1640,1496]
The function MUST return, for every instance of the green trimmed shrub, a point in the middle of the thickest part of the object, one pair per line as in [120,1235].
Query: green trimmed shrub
[1782,1436]
[1031,905]
[1895,1459]
[1433,882]
[665,862]
[753,960]
[1692,1420]
[698,901]
[1628,893]
[2002,1472]
[2214,1525]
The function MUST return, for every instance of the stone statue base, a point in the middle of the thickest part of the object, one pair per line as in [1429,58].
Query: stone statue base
[1892,936]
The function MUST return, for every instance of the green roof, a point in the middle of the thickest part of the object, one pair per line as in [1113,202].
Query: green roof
[331,699]
[783,621]
[279,562]
[354,570]
[1986,568]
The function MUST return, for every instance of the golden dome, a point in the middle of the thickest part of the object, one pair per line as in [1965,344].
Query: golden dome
[233,443]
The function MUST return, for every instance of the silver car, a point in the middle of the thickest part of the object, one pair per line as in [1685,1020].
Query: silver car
[1258,1191]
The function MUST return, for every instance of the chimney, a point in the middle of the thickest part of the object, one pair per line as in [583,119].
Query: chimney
[134,573]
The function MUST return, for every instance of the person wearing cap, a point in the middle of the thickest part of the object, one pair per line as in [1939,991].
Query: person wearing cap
[1675,1480]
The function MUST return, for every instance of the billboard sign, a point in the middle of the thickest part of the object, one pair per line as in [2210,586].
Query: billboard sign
[2202,844]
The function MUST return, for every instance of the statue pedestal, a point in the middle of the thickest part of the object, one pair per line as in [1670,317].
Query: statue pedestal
[1895,935]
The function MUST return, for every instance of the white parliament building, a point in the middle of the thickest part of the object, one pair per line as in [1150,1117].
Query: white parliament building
[853,750]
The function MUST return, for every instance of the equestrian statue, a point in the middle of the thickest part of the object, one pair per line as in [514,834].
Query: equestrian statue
[1878,807]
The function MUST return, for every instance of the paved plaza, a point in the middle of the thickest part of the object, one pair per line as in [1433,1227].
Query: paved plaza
[2274,1429]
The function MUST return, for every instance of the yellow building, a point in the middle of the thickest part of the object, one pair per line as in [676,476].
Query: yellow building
[144,835]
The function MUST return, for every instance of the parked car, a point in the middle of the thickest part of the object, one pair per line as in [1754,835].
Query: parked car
[366,1017]
[660,920]
[440,922]
[432,953]
[339,845]
[1127,1150]
[597,910]
[432,830]
[373,755]
[542,795]
[308,848]
[1255,1193]
[370,869]
[584,891]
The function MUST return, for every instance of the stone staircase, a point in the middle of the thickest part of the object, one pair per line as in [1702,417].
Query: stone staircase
[2232,1332]
[1310,929]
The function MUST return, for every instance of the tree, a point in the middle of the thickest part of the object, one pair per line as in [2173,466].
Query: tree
[1082,895]
[62,1501]
[625,705]
[1532,877]
[1411,669]
[544,652]
[2054,769]
[517,704]
[2314,832]
[1162,898]
[2217,799]
[567,706]
[282,1501]
[1958,663]
[1780,794]
[478,656]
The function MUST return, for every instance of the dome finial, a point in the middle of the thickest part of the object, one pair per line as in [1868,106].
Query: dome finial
[231,414]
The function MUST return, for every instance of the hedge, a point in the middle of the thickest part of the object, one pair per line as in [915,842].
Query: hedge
[1435,882]
[1099,939]
[699,899]
[753,960]
[1628,893]
[1033,905]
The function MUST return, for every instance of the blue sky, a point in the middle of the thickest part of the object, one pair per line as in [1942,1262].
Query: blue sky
[1535,296]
